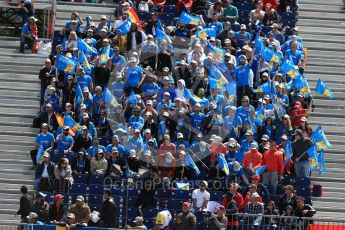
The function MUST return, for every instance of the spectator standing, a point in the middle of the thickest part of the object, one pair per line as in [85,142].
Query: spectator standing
[300,146]
[41,207]
[218,221]
[24,208]
[254,207]
[185,219]
[288,199]
[108,214]
[200,197]
[163,217]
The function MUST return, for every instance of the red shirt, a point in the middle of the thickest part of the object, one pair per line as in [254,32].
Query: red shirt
[247,199]
[273,159]
[164,148]
[296,115]
[216,148]
[253,157]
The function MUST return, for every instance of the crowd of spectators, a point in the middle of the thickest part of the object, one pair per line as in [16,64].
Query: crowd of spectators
[170,123]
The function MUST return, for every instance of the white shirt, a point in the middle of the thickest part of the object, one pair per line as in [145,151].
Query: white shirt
[45,171]
[200,197]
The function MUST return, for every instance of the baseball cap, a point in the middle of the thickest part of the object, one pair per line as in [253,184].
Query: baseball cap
[255,195]
[58,197]
[138,219]
[71,216]
[114,150]
[298,132]
[186,204]
[46,154]
[80,198]
[253,145]
[265,137]
[205,183]
[256,177]
[179,135]
[249,132]
[243,27]
[220,208]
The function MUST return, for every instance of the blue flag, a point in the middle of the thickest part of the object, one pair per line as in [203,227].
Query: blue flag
[78,95]
[88,22]
[109,23]
[189,95]
[124,28]
[264,88]
[160,33]
[231,88]
[104,56]
[222,164]
[321,161]
[189,19]
[323,89]
[259,45]
[188,162]
[127,170]
[312,151]
[70,122]
[319,138]
[39,155]
[218,51]
[260,115]
[288,149]
[260,170]
[109,98]
[314,162]
[83,61]
[132,99]
[66,64]
[289,68]
[207,32]
[84,47]
[182,185]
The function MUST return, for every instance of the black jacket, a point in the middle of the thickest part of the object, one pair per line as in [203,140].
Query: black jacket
[138,38]
[101,76]
[58,216]
[44,119]
[45,80]
[24,208]
[284,202]
[109,213]
[40,168]
[300,147]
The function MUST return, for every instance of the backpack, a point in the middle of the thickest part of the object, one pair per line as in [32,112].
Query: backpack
[317,190]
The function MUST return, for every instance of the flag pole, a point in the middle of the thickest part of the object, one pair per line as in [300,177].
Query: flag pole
[199,159]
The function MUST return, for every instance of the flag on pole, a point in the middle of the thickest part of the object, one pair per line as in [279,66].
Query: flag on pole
[320,139]
[289,68]
[189,19]
[133,17]
[104,56]
[207,32]
[83,61]
[84,47]
[260,170]
[222,164]
[66,64]
[323,89]
[109,98]
[189,162]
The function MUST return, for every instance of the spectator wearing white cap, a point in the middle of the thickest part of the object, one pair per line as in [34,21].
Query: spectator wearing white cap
[200,197]
[252,159]
[166,164]
[99,164]
[85,121]
[254,207]
[44,174]
[246,143]
[139,224]
[84,80]
[117,86]
[197,118]
[182,72]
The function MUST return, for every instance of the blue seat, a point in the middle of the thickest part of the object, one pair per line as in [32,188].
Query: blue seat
[175,204]
[149,223]
[117,191]
[170,9]
[303,191]
[288,16]
[96,179]
[166,17]
[181,194]
[149,213]
[162,193]
[302,181]
[97,208]
[133,192]
[132,212]
[201,225]
[80,178]
[216,196]
[78,189]
[96,189]
[118,200]
[243,6]
[144,16]
[95,199]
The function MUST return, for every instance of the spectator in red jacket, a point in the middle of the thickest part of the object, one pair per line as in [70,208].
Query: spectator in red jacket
[166,165]
[273,160]
[233,194]
[184,5]
[297,113]
[252,159]
[247,198]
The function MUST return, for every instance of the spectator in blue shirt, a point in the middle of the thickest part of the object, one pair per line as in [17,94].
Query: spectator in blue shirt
[218,26]
[117,87]
[83,79]
[136,121]
[134,77]
[243,37]
[118,61]
[64,146]
[150,88]
[27,37]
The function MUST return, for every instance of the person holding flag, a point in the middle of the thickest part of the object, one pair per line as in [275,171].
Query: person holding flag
[300,157]
[244,77]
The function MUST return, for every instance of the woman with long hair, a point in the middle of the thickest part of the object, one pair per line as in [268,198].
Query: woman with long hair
[284,127]
[72,41]
[305,127]
[63,176]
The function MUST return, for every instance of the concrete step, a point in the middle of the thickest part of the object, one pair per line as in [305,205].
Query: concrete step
[331,16]
[329,46]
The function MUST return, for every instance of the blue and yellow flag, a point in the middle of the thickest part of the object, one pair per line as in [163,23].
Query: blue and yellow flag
[222,164]
[215,73]
[84,47]
[109,98]
[260,115]
[83,61]
[88,22]
[264,88]
[218,51]
[182,185]
[72,124]
[312,153]
[188,162]
[320,139]
[321,161]
[191,96]
[207,32]
[104,56]
[260,170]
[124,28]
[271,56]
[231,88]
[323,89]
[288,151]
[289,68]
[66,64]
[189,19]
[301,85]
